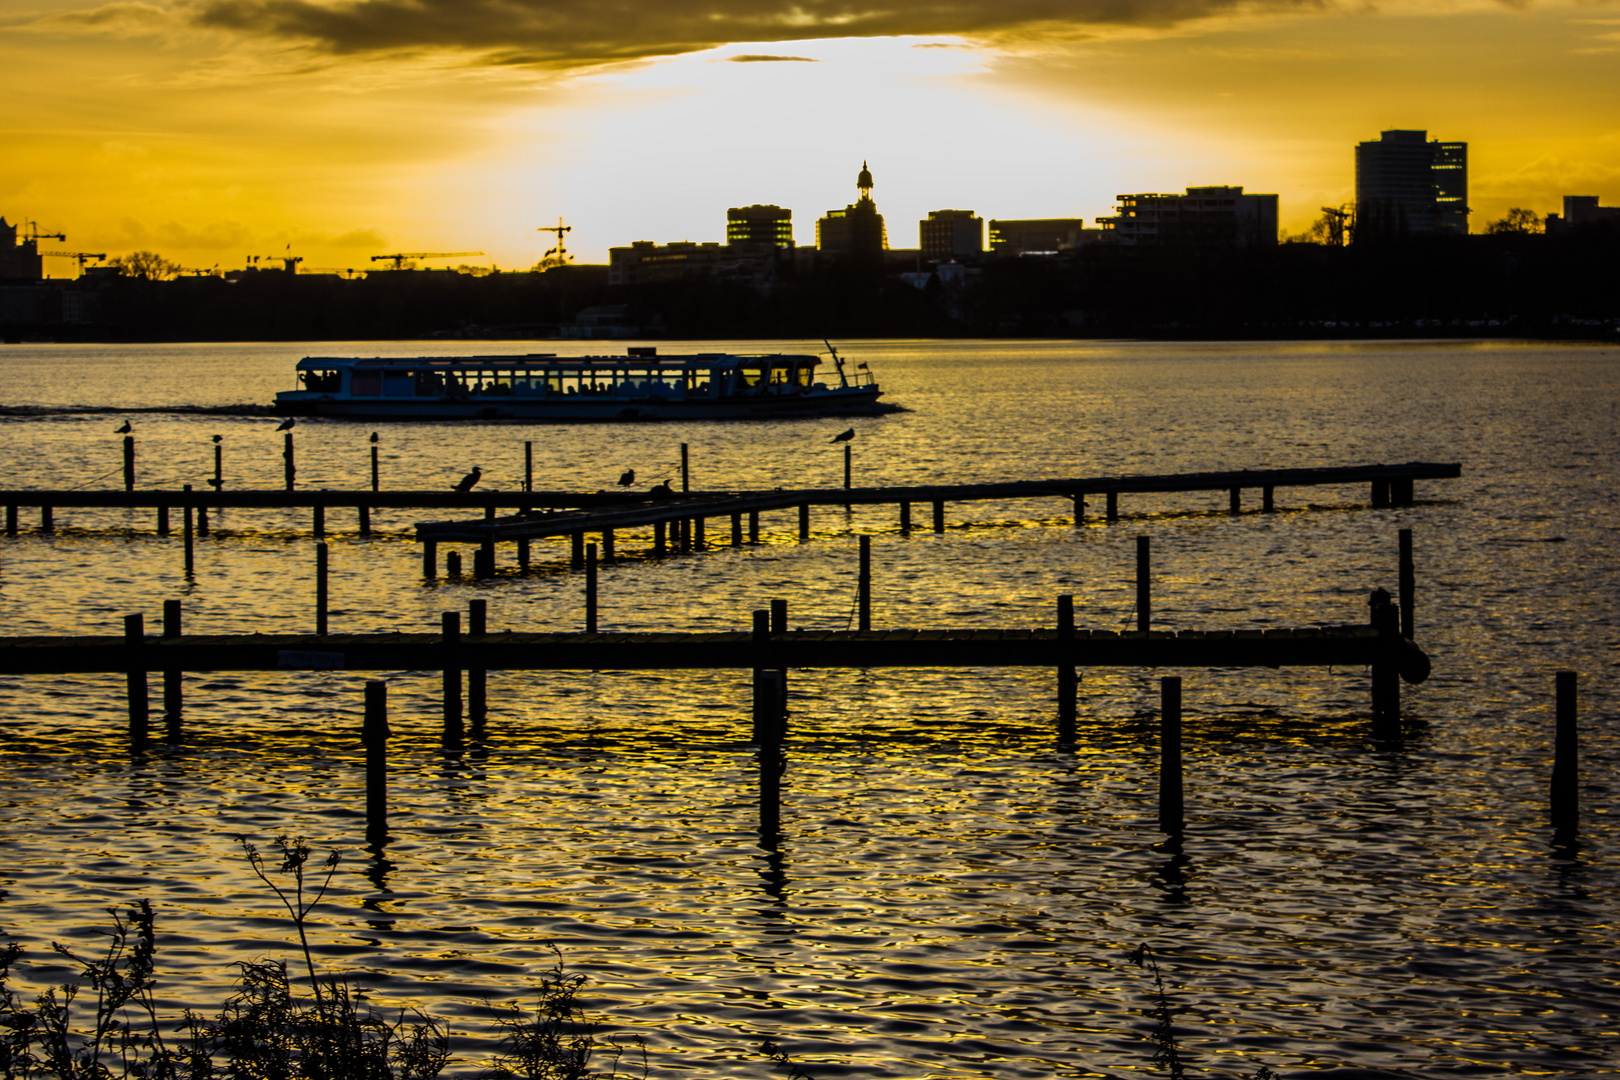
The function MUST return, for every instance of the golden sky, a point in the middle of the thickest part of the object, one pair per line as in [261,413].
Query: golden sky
[211,130]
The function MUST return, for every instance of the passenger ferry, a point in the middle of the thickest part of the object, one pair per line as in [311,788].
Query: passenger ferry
[641,385]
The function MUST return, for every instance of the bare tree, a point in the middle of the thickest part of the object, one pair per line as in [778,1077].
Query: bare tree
[147,266]
[1519,221]
[1336,227]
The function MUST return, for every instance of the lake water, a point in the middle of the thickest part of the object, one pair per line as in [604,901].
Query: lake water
[953,896]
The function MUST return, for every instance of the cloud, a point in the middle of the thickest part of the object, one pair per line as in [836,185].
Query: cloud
[565,33]
[125,18]
[766,58]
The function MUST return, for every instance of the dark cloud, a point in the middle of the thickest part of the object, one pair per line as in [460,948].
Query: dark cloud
[766,58]
[572,32]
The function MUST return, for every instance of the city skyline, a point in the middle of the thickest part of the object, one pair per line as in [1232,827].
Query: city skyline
[214,131]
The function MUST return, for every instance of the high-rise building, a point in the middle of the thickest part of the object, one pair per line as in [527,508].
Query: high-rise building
[1409,185]
[19,260]
[947,234]
[857,229]
[1204,217]
[759,224]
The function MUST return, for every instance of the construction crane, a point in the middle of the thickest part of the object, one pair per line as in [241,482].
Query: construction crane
[80,255]
[560,251]
[398,258]
[35,235]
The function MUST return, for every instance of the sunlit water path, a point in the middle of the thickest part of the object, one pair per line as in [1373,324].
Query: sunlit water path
[953,896]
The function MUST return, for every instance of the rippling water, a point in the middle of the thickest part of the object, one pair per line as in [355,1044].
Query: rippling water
[952,896]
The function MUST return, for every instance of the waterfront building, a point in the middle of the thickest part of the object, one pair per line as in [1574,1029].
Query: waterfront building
[1410,185]
[1040,236]
[947,234]
[1203,217]
[19,260]
[858,228]
[645,263]
[759,224]
[1582,211]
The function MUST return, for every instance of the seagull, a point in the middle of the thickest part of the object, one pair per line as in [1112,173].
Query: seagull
[627,478]
[470,479]
[660,489]
[373,436]
[287,424]
[844,436]
[218,438]
[125,430]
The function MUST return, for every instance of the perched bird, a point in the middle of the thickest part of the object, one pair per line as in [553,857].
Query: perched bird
[660,490]
[627,478]
[373,436]
[218,438]
[287,424]
[844,436]
[125,430]
[470,479]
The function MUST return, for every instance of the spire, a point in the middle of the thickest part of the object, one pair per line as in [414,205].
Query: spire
[864,181]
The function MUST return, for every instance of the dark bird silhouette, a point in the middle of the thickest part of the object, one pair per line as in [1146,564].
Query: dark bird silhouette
[218,438]
[287,424]
[373,436]
[660,490]
[470,479]
[844,436]
[125,430]
[627,478]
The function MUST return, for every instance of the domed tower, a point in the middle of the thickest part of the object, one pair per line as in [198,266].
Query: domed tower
[864,182]
[857,229]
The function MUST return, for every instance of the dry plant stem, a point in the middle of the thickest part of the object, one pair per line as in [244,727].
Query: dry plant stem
[294,856]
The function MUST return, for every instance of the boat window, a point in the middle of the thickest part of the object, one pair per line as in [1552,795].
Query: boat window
[429,384]
[802,373]
[398,384]
[498,384]
[750,376]
[324,382]
[365,383]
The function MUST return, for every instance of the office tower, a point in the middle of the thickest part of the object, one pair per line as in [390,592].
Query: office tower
[1408,185]
[947,234]
[759,224]
[858,228]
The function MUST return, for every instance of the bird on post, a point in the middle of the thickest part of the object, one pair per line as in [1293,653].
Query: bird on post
[844,436]
[373,436]
[125,430]
[470,479]
[287,424]
[627,478]
[660,490]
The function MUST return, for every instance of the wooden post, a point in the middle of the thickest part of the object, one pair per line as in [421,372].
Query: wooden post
[753,526]
[778,616]
[452,564]
[849,453]
[202,519]
[1267,505]
[528,467]
[139,706]
[939,515]
[163,521]
[365,520]
[1386,679]
[905,519]
[1234,500]
[685,527]
[189,543]
[451,622]
[576,549]
[1380,494]
[219,465]
[762,633]
[1079,508]
[1144,585]
[47,519]
[1400,492]
[374,735]
[658,537]
[1171,808]
[430,559]
[523,553]
[769,693]
[699,539]
[485,558]
[736,530]
[1408,585]
[318,525]
[607,545]
[1067,682]
[129,463]
[686,470]
[1112,513]
[289,464]
[11,519]
[804,521]
[477,678]
[375,477]
[590,588]
[1566,771]
[320,589]
[173,681]
[863,587]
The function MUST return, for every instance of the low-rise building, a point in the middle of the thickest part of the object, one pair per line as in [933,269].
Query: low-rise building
[1203,217]
[760,224]
[1040,236]
[1582,211]
[948,234]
